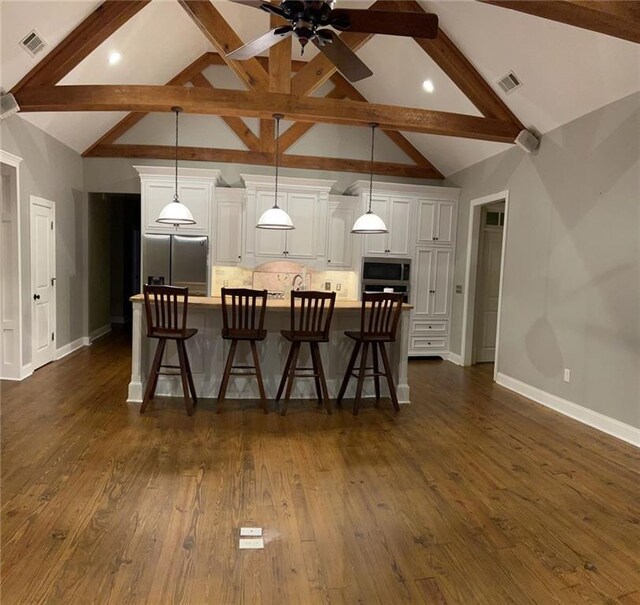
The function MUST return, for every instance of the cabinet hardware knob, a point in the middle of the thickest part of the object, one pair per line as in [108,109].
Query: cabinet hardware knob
[432,291]
[36,297]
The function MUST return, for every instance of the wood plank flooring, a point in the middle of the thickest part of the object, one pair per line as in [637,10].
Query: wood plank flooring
[471,494]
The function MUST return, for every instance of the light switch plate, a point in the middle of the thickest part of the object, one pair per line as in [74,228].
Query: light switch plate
[251,543]
[338,287]
[327,285]
[251,531]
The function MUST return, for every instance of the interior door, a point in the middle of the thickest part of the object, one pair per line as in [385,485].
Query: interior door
[486,320]
[43,265]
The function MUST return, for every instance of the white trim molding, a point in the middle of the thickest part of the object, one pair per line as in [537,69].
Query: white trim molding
[70,347]
[99,332]
[453,358]
[599,421]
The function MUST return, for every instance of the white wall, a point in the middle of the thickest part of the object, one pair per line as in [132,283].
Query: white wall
[572,271]
[53,171]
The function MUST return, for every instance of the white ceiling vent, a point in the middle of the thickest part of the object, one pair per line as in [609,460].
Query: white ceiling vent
[509,83]
[33,43]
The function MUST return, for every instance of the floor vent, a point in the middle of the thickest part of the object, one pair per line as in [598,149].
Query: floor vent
[33,43]
[509,83]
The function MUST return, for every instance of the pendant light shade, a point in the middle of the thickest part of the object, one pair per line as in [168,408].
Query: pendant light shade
[370,223]
[176,213]
[275,217]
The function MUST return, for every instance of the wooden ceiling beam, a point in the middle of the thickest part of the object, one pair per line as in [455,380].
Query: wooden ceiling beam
[133,118]
[237,125]
[248,104]
[620,19]
[85,38]
[224,39]
[234,156]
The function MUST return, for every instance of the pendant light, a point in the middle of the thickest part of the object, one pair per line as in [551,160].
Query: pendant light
[369,222]
[175,213]
[276,217]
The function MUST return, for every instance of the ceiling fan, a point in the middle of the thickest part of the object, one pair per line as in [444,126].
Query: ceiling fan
[309,22]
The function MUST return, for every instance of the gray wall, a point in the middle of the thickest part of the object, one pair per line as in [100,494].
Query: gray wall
[99,236]
[53,171]
[572,272]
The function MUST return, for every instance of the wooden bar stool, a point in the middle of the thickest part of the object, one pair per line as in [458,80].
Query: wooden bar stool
[243,319]
[378,325]
[165,322]
[311,325]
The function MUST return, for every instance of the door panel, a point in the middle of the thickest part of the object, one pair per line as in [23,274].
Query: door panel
[339,245]
[441,281]
[229,232]
[400,228]
[445,222]
[301,241]
[426,222]
[269,242]
[422,277]
[377,244]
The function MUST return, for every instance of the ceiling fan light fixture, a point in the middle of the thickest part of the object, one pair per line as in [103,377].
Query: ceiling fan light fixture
[275,218]
[175,212]
[370,223]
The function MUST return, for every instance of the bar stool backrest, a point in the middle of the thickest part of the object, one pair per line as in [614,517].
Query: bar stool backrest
[161,306]
[380,314]
[243,311]
[311,313]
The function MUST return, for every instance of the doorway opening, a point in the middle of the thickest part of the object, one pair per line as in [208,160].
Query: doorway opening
[486,245]
[114,260]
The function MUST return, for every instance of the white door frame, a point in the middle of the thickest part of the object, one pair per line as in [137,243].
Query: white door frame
[14,161]
[40,201]
[473,237]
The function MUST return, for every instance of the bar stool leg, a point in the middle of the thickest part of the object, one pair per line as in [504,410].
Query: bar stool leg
[316,374]
[315,353]
[285,373]
[152,380]
[291,374]
[185,381]
[387,369]
[347,375]
[227,374]
[363,365]
[192,386]
[376,370]
[256,363]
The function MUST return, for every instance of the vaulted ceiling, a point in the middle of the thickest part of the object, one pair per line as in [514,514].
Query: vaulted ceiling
[566,72]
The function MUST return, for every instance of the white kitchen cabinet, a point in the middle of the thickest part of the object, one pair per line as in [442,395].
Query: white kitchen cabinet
[396,214]
[268,242]
[195,190]
[303,210]
[229,226]
[436,222]
[340,240]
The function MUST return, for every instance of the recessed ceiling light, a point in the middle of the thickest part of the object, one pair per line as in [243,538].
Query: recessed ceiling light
[114,57]
[428,86]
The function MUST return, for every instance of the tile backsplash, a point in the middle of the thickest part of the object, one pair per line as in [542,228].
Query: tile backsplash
[280,276]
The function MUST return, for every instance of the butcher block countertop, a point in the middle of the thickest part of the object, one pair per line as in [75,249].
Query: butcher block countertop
[215,302]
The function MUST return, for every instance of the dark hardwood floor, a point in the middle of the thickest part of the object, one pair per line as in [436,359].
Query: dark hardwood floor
[472,494]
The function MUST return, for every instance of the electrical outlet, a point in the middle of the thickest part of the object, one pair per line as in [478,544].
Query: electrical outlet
[327,285]
[458,289]
[338,287]
[567,375]
[225,283]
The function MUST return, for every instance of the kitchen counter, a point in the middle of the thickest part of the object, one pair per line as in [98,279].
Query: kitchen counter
[208,351]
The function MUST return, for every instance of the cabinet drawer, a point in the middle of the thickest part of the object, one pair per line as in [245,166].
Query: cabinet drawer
[424,326]
[426,343]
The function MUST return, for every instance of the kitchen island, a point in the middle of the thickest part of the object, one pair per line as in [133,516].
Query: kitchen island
[208,352]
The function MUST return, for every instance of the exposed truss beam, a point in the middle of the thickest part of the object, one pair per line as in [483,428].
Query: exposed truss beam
[620,19]
[248,104]
[161,152]
[280,61]
[224,39]
[85,38]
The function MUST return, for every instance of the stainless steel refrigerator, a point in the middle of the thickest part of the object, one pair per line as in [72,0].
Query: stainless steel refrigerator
[177,260]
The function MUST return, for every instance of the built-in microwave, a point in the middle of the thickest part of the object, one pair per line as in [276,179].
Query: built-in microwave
[388,270]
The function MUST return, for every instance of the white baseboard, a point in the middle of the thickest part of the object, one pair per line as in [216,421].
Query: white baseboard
[599,421]
[69,348]
[95,334]
[26,371]
[454,358]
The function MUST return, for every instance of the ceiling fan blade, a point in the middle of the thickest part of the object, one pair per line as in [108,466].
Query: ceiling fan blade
[252,3]
[391,23]
[264,42]
[342,56]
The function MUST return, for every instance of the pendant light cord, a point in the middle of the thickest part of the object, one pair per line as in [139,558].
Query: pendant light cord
[373,134]
[175,195]
[277,117]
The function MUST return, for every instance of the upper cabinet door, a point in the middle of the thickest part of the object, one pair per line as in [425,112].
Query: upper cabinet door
[427,210]
[400,242]
[269,242]
[198,198]
[155,196]
[446,222]
[229,232]
[301,241]
[377,244]
[339,237]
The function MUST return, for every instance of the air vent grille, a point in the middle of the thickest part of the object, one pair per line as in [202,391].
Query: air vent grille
[509,83]
[33,43]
